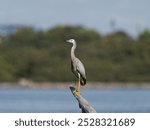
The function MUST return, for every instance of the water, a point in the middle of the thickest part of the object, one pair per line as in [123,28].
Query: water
[61,100]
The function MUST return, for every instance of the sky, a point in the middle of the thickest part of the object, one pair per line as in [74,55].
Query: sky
[104,16]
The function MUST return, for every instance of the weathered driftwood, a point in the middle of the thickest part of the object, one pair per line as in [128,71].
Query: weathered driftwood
[83,103]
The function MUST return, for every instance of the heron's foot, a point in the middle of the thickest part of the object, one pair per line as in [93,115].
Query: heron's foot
[76,92]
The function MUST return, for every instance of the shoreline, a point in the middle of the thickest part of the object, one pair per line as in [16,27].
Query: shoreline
[61,85]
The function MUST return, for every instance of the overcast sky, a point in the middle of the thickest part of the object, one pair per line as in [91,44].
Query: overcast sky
[129,15]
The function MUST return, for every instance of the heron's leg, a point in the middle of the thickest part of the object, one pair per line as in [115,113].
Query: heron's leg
[78,89]
[75,80]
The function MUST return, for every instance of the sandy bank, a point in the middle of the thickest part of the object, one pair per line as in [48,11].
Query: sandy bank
[60,85]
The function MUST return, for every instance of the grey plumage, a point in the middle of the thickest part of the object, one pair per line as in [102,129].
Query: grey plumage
[76,65]
[78,69]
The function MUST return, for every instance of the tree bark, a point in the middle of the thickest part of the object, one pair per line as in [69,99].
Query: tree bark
[83,103]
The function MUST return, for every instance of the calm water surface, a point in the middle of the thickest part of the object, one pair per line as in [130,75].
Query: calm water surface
[61,100]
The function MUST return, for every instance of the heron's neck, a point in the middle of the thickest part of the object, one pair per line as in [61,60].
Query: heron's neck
[73,51]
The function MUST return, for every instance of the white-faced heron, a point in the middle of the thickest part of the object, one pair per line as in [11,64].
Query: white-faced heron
[77,67]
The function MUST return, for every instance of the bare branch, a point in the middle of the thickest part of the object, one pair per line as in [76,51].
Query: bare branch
[83,103]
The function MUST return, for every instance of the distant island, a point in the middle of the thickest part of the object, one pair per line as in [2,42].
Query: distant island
[44,56]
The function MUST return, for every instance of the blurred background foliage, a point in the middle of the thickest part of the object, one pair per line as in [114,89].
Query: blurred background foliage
[44,55]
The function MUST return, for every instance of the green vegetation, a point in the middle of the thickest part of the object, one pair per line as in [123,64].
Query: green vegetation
[45,55]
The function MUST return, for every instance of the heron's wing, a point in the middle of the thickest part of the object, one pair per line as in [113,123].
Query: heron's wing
[80,69]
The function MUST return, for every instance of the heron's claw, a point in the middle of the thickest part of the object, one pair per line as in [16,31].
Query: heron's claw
[76,92]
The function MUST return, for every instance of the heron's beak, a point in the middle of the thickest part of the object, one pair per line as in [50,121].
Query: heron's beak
[67,40]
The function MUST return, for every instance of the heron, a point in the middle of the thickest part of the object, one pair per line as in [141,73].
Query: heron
[77,67]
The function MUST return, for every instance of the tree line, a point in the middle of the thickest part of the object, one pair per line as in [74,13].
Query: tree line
[44,55]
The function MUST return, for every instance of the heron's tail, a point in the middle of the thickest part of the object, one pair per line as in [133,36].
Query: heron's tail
[83,81]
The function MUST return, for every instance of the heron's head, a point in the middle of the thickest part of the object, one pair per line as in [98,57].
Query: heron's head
[71,41]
